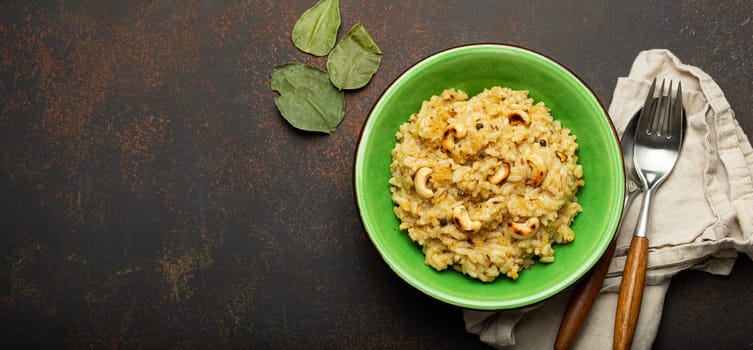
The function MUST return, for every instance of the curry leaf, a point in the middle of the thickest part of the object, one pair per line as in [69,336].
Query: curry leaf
[354,60]
[308,100]
[316,31]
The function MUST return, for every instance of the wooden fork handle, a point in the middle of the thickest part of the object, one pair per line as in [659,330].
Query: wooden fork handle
[631,293]
[581,301]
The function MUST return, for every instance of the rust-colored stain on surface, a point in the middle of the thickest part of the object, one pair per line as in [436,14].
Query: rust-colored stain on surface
[139,146]
[96,102]
[179,267]
[79,74]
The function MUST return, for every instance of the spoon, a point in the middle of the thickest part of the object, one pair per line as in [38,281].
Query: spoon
[586,290]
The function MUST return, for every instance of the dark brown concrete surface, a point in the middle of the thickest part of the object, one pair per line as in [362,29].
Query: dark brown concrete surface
[151,196]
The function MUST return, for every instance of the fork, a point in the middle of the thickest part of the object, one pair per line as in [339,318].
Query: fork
[658,140]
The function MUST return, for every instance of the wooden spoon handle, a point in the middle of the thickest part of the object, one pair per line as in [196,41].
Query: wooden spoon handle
[582,300]
[631,293]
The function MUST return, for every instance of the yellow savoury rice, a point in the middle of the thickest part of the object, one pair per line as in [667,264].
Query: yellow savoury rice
[487,184]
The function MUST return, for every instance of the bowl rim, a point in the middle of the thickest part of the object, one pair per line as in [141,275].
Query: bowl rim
[410,280]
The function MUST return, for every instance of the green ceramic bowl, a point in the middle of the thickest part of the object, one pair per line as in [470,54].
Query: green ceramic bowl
[471,69]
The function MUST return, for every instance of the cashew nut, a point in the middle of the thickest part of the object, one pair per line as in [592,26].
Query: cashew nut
[561,155]
[420,182]
[463,220]
[451,132]
[537,170]
[503,171]
[518,117]
[523,230]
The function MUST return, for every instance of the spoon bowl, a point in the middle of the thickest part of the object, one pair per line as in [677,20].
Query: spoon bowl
[632,181]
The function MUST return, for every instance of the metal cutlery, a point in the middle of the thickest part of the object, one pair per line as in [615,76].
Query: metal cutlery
[658,140]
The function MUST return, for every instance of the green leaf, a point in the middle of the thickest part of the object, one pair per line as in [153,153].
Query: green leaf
[354,60]
[308,100]
[316,31]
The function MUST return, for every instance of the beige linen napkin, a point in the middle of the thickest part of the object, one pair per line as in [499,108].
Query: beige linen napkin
[709,194]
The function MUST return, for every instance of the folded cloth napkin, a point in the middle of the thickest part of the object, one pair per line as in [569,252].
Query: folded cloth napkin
[710,193]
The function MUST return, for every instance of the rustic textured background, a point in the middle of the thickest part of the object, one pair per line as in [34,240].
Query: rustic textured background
[152,196]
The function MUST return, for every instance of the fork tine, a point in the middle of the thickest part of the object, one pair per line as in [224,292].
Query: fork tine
[648,104]
[644,120]
[678,121]
[666,121]
[650,95]
[656,116]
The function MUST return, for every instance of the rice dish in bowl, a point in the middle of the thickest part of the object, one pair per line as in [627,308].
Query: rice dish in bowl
[474,69]
[485,184]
